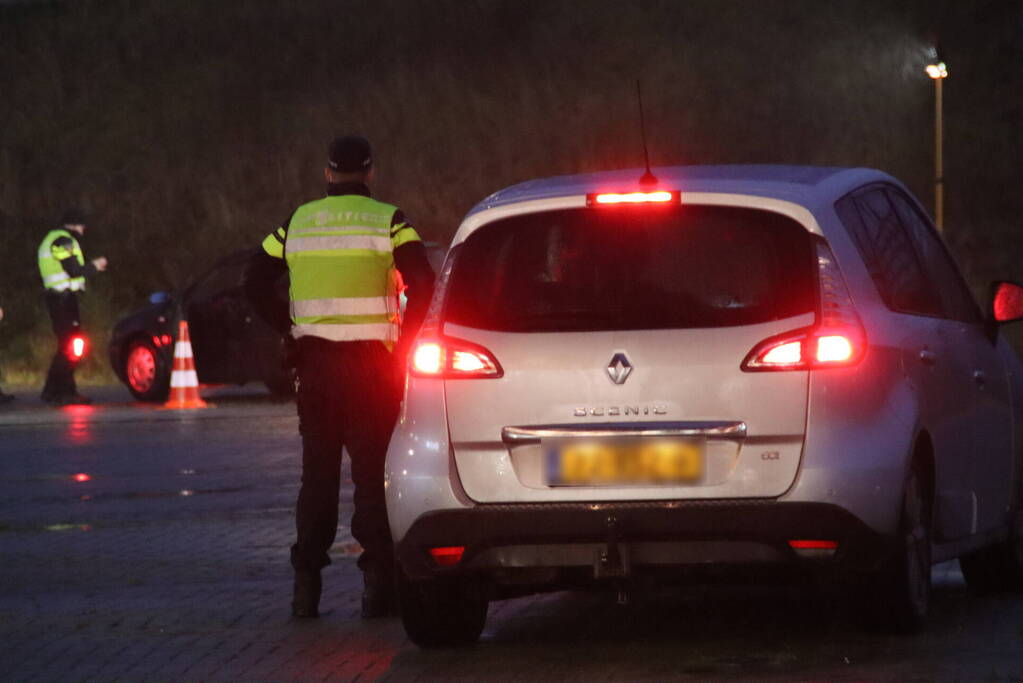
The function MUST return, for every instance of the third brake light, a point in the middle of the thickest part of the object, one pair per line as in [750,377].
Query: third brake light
[625,198]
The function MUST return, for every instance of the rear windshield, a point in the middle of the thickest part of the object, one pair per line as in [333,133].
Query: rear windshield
[632,268]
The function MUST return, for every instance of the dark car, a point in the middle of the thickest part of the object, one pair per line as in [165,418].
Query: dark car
[230,343]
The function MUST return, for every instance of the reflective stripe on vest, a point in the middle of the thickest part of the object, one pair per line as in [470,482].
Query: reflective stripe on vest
[352,229]
[318,308]
[54,277]
[339,252]
[339,242]
[334,332]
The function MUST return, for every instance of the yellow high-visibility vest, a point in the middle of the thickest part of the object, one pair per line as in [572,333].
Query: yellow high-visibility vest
[339,252]
[55,278]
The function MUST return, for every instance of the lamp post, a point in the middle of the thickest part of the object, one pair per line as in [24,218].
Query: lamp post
[938,72]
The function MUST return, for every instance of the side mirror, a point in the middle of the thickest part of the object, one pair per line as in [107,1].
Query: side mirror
[1006,302]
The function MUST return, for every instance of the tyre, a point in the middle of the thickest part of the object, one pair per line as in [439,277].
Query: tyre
[442,612]
[146,372]
[898,595]
[997,568]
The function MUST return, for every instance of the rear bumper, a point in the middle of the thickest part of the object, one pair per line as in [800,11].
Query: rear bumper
[725,533]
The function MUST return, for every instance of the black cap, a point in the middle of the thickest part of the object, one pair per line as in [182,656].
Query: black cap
[349,154]
[72,216]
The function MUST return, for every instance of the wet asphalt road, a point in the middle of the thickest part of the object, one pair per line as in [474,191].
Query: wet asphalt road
[166,559]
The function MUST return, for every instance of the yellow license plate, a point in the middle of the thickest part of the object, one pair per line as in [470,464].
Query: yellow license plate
[601,462]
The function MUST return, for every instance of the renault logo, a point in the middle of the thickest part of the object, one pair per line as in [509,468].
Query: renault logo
[619,368]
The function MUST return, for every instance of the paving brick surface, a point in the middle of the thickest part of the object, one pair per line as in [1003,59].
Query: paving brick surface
[171,564]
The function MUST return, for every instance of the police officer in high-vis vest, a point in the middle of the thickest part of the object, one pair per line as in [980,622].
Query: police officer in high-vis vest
[347,256]
[63,269]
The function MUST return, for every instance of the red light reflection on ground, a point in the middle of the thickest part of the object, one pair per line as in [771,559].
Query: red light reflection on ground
[68,527]
[369,659]
[79,411]
[78,430]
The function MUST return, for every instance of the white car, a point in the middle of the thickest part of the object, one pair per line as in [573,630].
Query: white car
[733,367]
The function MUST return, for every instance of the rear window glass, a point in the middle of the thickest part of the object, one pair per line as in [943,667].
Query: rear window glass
[632,268]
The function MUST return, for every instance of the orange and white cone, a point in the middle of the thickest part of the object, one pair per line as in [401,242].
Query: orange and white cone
[184,383]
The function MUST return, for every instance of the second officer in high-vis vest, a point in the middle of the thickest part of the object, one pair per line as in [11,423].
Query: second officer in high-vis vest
[63,269]
[347,256]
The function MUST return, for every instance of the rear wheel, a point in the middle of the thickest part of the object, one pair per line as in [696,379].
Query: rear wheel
[146,372]
[899,593]
[442,612]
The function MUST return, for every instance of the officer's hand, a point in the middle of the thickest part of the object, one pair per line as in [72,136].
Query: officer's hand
[1,314]
[100,263]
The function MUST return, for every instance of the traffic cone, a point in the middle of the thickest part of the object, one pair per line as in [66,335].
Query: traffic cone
[184,384]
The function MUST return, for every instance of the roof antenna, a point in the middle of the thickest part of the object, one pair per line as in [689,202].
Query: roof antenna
[648,179]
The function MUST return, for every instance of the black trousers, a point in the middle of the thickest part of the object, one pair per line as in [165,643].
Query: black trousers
[63,308]
[348,397]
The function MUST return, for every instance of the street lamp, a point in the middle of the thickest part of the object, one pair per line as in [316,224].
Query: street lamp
[938,72]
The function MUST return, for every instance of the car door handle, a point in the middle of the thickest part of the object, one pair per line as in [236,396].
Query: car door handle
[927,357]
[979,378]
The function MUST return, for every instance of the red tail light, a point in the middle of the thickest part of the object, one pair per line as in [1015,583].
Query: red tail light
[837,340]
[76,347]
[447,556]
[834,348]
[784,353]
[813,545]
[814,548]
[805,349]
[449,358]
[428,358]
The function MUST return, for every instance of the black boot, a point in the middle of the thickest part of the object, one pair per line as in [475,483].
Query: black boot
[306,601]
[378,595]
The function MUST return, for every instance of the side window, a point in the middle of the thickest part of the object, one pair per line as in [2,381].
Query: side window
[853,222]
[887,252]
[957,302]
